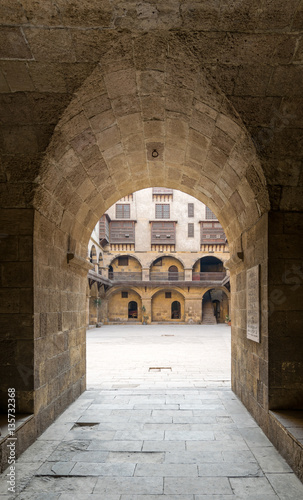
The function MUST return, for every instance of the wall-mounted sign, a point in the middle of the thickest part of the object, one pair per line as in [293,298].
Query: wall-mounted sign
[253,304]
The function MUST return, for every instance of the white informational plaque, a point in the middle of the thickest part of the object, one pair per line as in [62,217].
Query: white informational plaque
[253,304]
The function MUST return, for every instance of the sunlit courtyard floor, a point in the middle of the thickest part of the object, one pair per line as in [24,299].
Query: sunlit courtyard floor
[159,356]
[158,421]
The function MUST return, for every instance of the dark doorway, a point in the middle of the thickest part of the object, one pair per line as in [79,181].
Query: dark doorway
[132,310]
[173,273]
[211,264]
[110,272]
[176,310]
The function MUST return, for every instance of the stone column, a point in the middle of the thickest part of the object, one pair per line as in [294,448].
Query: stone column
[193,310]
[146,302]
[188,276]
[145,274]
[104,310]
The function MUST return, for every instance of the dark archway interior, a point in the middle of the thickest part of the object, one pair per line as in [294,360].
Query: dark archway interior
[211,264]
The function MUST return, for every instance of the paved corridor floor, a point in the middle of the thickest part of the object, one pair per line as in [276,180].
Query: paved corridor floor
[158,421]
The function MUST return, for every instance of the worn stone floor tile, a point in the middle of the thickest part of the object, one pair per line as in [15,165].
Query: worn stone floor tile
[201,485]
[105,469]
[136,457]
[38,451]
[55,469]
[198,457]
[157,497]
[94,418]
[129,485]
[24,473]
[61,485]
[216,427]
[73,445]
[236,497]
[166,470]
[56,431]
[168,427]
[270,460]
[139,435]
[189,436]
[83,496]
[227,445]
[210,413]
[78,456]
[154,407]
[230,469]
[234,406]
[121,426]
[238,456]
[201,406]
[287,486]
[194,420]
[255,437]
[116,445]
[244,486]
[132,414]
[244,420]
[104,418]
[172,413]
[172,446]
[158,420]
[86,432]
[38,496]
[229,435]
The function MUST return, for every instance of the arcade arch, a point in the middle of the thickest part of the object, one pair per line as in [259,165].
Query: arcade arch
[167,305]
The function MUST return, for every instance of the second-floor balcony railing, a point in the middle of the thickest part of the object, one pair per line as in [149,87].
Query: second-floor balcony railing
[126,276]
[209,276]
[167,276]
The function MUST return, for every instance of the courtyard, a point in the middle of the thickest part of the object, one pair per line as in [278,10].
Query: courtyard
[158,420]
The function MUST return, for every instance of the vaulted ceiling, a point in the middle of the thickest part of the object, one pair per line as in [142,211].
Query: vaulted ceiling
[252,49]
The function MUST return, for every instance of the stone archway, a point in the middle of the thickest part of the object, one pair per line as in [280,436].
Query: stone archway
[103,147]
[142,121]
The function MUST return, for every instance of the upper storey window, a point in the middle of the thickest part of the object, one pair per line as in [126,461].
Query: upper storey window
[209,215]
[123,211]
[190,208]
[162,211]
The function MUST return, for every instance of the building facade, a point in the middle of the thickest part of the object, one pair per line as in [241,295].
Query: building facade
[162,254]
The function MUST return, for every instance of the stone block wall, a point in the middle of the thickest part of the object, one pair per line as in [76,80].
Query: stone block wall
[161,306]
[249,358]
[118,306]
[16,308]
[285,299]
[59,324]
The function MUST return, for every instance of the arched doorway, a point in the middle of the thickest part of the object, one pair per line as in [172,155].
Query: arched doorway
[110,272]
[167,305]
[176,310]
[132,310]
[123,304]
[215,306]
[173,273]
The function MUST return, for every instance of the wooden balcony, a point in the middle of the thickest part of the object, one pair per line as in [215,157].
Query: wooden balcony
[210,276]
[167,276]
[127,276]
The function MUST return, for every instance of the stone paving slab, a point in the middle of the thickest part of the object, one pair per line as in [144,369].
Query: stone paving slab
[154,438]
[201,485]
[129,485]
